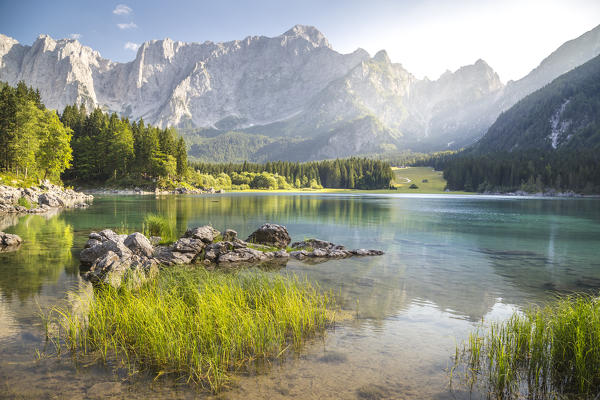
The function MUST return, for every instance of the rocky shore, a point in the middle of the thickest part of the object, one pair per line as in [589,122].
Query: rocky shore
[37,200]
[157,191]
[110,256]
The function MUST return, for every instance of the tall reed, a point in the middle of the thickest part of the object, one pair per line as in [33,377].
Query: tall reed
[196,324]
[547,352]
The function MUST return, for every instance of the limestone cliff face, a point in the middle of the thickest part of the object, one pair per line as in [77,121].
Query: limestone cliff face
[290,86]
[242,83]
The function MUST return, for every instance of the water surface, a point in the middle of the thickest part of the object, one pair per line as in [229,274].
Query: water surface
[450,261]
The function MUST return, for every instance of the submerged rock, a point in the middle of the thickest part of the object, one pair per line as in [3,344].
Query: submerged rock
[111,256]
[271,235]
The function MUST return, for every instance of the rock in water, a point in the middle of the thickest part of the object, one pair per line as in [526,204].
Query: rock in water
[139,244]
[10,240]
[111,256]
[205,233]
[271,235]
[244,255]
[101,243]
[229,235]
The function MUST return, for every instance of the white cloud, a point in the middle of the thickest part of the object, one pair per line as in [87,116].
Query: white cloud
[129,25]
[75,36]
[122,9]
[131,46]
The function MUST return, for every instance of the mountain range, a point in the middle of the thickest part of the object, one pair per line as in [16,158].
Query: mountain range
[290,97]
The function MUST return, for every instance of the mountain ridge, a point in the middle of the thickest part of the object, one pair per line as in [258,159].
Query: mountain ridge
[291,87]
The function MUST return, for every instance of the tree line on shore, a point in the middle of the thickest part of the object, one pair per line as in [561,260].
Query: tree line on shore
[102,148]
[350,173]
[107,147]
[532,171]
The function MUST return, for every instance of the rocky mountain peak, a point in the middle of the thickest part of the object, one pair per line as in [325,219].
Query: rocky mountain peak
[44,43]
[7,40]
[158,50]
[479,73]
[308,33]
[6,43]
[382,57]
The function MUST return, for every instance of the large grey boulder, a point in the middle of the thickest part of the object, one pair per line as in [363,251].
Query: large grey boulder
[205,233]
[139,244]
[109,268]
[10,240]
[50,199]
[108,234]
[229,235]
[188,245]
[99,244]
[167,256]
[271,235]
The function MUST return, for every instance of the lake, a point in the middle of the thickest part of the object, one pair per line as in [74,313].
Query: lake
[450,261]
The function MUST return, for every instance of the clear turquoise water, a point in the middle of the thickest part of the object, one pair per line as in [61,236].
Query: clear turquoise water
[450,261]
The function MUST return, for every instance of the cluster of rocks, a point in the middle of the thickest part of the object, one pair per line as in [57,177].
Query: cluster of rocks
[315,248]
[157,191]
[41,199]
[546,193]
[109,255]
[9,242]
[184,190]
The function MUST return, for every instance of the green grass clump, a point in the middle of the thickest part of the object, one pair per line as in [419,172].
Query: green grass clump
[23,202]
[553,351]
[158,225]
[196,324]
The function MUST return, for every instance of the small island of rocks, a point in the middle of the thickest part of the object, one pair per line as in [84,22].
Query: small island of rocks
[109,256]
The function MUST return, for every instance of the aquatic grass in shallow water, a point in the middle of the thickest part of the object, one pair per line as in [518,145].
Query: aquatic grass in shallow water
[547,352]
[158,225]
[197,324]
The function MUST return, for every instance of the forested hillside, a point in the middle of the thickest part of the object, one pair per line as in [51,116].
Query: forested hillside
[550,140]
[562,115]
[532,171]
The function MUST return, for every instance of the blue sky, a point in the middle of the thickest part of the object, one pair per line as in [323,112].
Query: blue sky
[427,37]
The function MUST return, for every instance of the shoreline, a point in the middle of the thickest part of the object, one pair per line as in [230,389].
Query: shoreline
[40,199]
[517,194]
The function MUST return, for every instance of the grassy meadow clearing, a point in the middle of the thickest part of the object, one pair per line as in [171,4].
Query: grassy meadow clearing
[403,179]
